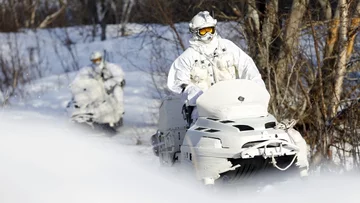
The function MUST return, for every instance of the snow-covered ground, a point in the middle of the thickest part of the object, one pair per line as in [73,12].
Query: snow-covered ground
[45,158]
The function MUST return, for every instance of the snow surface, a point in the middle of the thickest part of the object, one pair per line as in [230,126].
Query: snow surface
[46,158]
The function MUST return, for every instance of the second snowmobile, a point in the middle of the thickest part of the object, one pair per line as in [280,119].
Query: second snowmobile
[92,105]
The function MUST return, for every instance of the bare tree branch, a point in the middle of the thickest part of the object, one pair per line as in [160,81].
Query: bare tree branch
[50,18]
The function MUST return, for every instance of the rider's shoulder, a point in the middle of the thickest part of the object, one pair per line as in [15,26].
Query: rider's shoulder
[227,42]
[189,53]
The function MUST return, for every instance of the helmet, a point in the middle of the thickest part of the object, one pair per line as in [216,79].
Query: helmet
[96,57]
[203,20]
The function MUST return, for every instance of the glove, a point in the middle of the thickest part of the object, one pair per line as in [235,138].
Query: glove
[191,93]
[109,85]
[123,83]
[286,124]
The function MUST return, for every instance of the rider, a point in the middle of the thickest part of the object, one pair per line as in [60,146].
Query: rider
[208,60]
[109,74]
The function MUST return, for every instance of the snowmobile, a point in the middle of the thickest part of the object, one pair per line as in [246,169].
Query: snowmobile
[92,105]
[234,136]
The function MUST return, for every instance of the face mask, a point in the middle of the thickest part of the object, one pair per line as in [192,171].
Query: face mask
[96,61]
[207,38]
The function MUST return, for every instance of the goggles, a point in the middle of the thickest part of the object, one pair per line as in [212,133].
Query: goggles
[203,31]
[98,60]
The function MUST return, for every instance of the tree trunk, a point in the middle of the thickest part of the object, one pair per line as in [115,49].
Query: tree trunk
[341,63]
[354,30]
[33,13]
[103,14]
[127,7]
[12,5]
[291,39]
[252,29]
[270,21]
[326,8]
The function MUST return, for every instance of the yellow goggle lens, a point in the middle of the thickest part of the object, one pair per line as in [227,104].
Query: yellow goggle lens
[205,30]
[96,60]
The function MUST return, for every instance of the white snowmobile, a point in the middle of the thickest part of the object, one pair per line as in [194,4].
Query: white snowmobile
[92,105]
[234,136]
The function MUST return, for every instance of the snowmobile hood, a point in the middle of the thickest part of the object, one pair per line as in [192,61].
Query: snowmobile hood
[234,99]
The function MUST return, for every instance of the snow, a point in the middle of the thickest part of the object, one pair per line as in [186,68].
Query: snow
[46,158]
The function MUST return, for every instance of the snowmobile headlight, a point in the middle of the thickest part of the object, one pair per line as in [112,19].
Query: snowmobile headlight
[217,143]
[210,142]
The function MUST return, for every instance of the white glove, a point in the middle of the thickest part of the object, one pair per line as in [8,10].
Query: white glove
[109,84]
[191,93]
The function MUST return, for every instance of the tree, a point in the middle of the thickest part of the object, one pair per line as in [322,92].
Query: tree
[303,85]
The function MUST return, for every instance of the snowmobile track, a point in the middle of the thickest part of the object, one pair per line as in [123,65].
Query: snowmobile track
[253,168]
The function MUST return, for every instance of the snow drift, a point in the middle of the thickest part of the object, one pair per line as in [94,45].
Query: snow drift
[47,159]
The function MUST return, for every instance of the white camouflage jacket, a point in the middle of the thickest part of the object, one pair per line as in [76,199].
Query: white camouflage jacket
[202,65]
[111,74]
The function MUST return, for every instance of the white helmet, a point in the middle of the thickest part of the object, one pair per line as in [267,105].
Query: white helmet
[96,57]
[202,20]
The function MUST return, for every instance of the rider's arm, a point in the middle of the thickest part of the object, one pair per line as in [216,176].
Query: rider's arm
[117,75]
[179,74]
[245,65]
